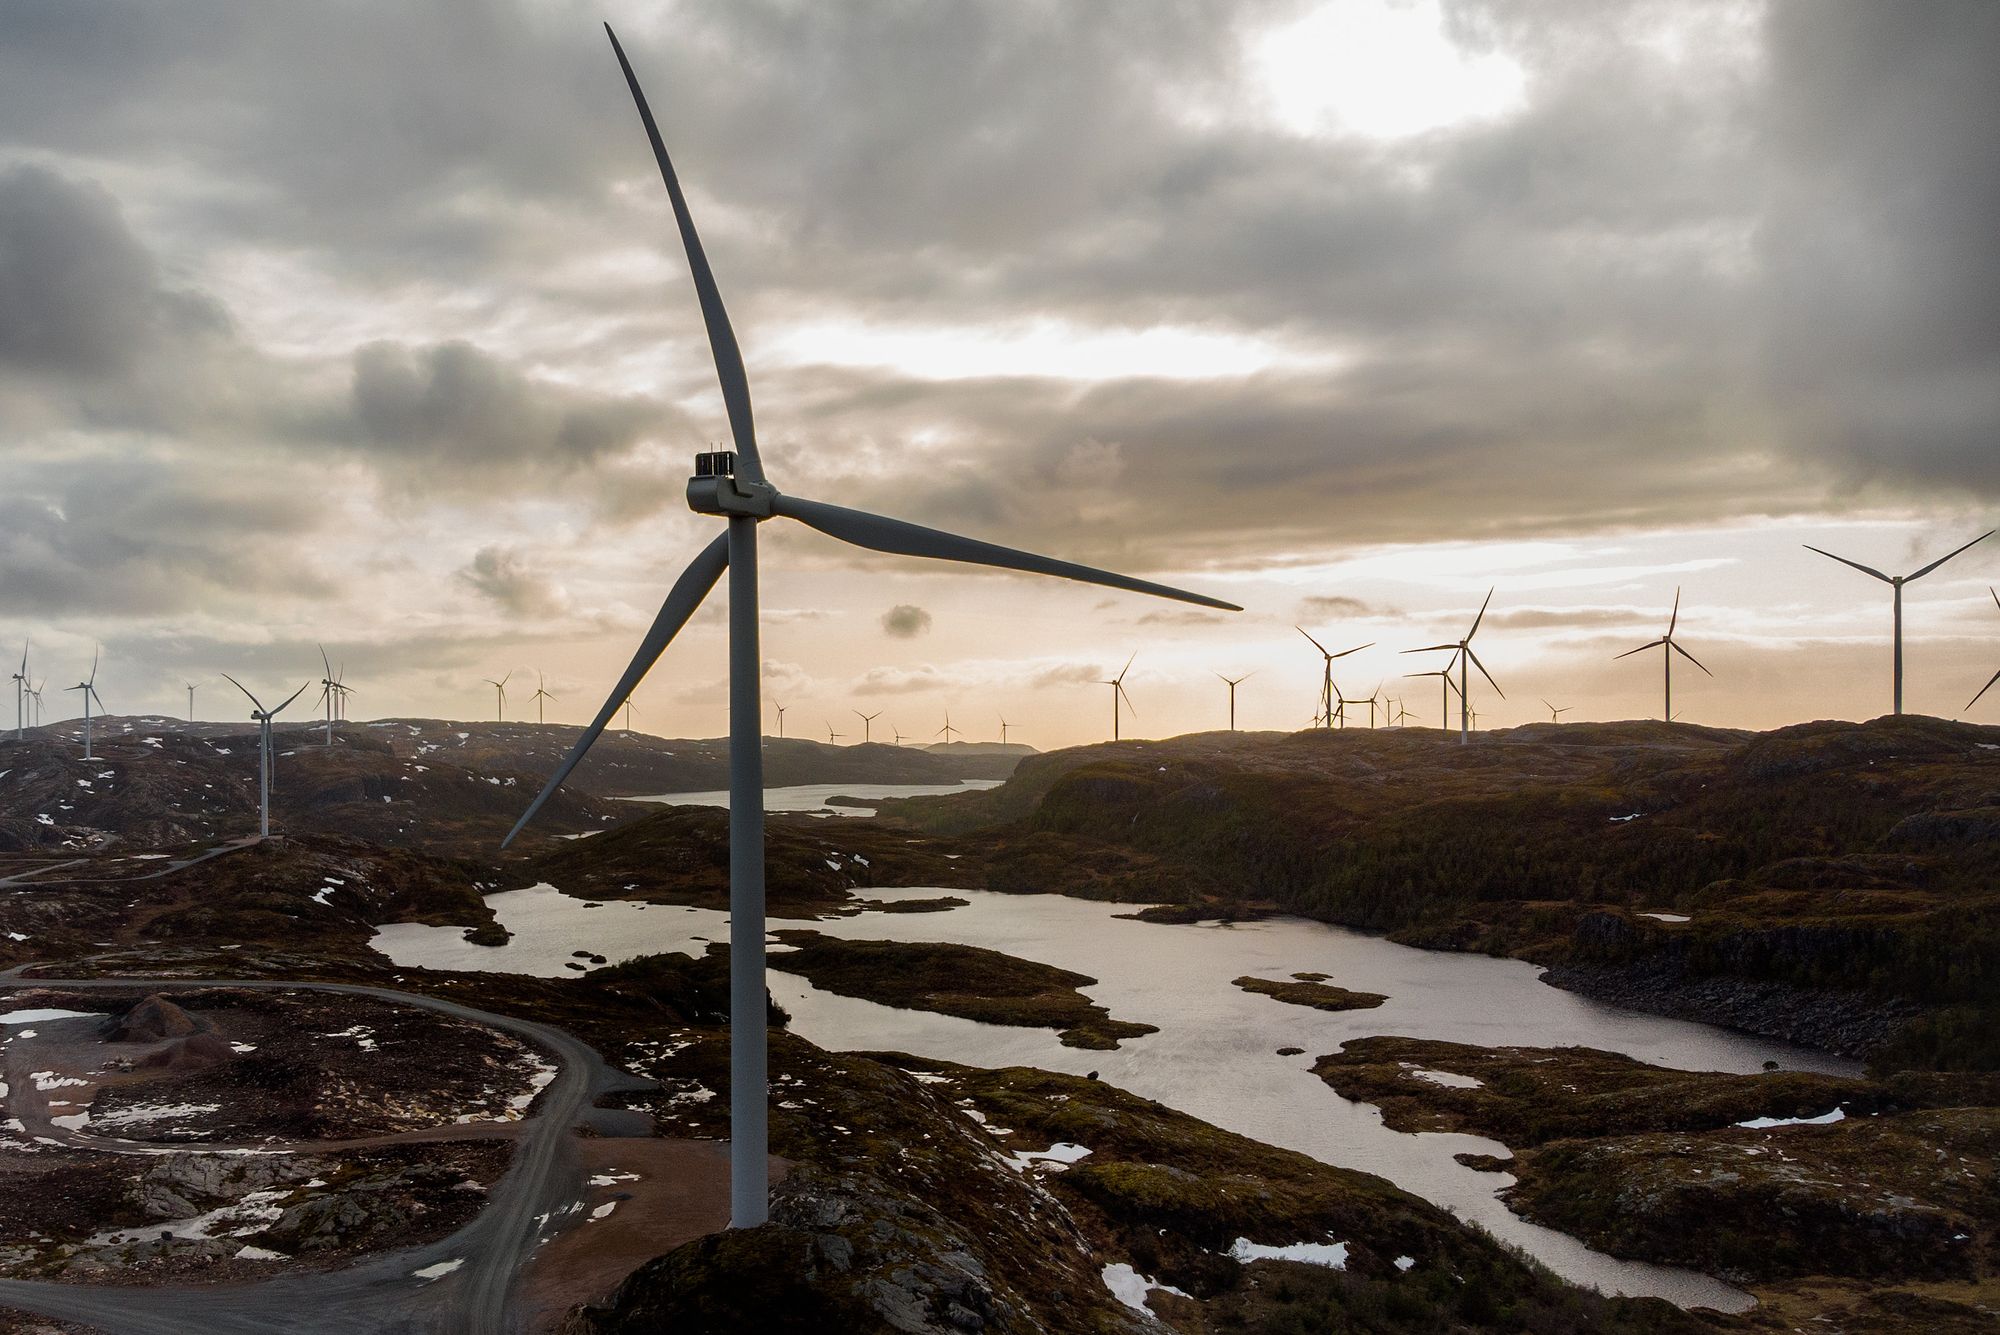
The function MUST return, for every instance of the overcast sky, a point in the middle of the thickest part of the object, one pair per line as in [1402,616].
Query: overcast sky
[365,323]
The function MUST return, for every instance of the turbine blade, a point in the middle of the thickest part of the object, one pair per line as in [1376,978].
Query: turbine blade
[288,699]
[1640,650]
[680,604]
[1983,690]
[1484,673]
[239,686]
[1948,555]
[323,663]
[1481,617]
[721,338]
[1355,650]
[1675,619]
[1128,699]
[894,535]
[1315,643]
[1120,678]
[1688,656]
[1866,570]
[1430,648]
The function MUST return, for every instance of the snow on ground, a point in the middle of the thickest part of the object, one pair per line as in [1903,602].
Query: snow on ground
[1824,1119]
[1666,917]
[1130,1287]
[31,1017]
[1333,1255]
[541,1073]
[1449,1079]
[1058,1156]
[439,1270]
[360,1033]
[230,1221]
[140,1113]
[603,1210]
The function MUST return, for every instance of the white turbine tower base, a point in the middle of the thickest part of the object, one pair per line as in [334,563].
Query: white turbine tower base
[731,486]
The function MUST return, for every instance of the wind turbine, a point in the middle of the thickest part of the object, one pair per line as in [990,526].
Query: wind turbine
[628,715]
[541,694]
[1233,683]
[1462,654]
[867,725]
[1444,692]
[35,695]
[731,485]
[1996,676]
[329,693]
[1327,690]
[1555,715]
[190,686]
[1401,714]
[500,695]
[1004,725]
[89,688]
[781,720]
[831,735]
[21,693]
[1668,647]
[1117,685]
[899,735]
[263,718]
[1896,582]
[947,730]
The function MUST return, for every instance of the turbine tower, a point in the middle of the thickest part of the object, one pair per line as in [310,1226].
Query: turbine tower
[21,693]
[1668,647]
[1462,654]
[35,698]
[947,730]
[89,688]
[1328,692]
[500,696]
[263,717]
[730,485]
[867,725]
[330,691]
[1117,685]
[1004,725]
[190,686]
[1996,676]
[628,715]
[1233,683]
[1896,582]
[781,719]
[541,694]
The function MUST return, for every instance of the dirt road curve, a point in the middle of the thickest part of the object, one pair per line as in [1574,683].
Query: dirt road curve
[540,1192]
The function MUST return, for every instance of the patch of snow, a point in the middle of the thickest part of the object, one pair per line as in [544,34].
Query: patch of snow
[441,1268]
[1449,1079]
[1058,1156]
[1666,917]
[260,1254]
[360,1033]
[241,1048]
[248,1215]
[48,1080]
[1332,1255]
[1824,1119]
[607,1179]
[154,1112]
[1620,820]
[1405,1262]
[604,1209]
[72,1121]
[17,936]
[1130,1287]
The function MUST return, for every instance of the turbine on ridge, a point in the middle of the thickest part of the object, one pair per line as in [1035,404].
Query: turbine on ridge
[1668,647]
[1896,582]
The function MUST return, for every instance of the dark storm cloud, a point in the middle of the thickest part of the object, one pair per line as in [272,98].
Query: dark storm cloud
[1885,335]
[504,576]
[905,621]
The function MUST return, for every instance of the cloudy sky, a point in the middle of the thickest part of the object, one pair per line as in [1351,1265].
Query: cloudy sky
[365,323]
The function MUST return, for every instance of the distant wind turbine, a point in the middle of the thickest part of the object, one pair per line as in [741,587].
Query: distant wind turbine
[541,694]
[947,730]
[781,719]
[500,696]
[1004,725]
[1117,685]
[898,733]
[628,715]
[731,485]
[831,735]
[1233,683]
[1996,676]
[190,686]
[1328,692]
[1896,582]
[867,725]
[89,688]
[1555,715]
[21,693]
[1668,647]
[330,690]
[263,717]
[1401,714]
[1462,654]
[35,697]
[1444,692]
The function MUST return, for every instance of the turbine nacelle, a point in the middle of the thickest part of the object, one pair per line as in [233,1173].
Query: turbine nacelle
[716,490]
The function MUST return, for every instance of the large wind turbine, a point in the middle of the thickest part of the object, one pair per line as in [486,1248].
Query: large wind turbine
[867,725]
[1117,685]
[1896,582]
[1668,647]
[1996,676]
[263,717]
[190,686]
[21,693]
[541,694]
[89,688]
[731,485]
[499,696]
[1462,654]
[1328,693]
[1233,683]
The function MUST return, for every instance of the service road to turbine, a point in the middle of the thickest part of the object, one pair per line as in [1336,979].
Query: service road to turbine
[380,1296]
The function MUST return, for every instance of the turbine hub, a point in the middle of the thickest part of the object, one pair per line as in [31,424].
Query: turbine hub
[715,489]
